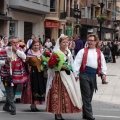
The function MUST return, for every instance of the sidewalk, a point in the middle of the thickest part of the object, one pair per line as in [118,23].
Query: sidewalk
[106,101]
[110,93]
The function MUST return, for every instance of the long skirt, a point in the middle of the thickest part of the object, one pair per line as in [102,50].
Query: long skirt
[34,91]
[58,100]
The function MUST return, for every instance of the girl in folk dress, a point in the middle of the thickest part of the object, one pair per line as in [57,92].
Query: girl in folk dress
[63,91]
[34,92]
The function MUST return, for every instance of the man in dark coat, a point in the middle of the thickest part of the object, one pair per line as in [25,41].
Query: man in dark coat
[78,45]
[114,51]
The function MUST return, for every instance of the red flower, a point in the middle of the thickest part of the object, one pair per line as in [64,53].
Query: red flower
[54,59]
[47,54]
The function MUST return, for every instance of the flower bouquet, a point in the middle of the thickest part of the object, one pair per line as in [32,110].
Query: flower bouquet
[53,61]
[47,54]
[45,57]
[56,62]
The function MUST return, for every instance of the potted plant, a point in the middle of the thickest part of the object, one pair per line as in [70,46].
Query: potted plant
[77,25]
[101,18]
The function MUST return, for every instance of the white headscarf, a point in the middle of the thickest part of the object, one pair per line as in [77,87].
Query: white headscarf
[57,45]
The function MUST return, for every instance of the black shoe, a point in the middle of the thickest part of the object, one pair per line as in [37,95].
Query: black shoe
[18,100]
[90,118]
[58,117]
[84,117]
[104,82]
[13,112]
[6,109]
[37,110]
[34,110]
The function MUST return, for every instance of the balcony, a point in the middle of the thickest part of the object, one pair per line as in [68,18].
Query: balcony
[5,17]
[35,6]
[108,23]
[62,15]
[89,22]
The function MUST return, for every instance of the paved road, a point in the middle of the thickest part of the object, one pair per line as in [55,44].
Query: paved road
[106,102]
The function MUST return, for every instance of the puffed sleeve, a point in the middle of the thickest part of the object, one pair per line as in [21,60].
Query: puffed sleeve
[77,62]
[21,54]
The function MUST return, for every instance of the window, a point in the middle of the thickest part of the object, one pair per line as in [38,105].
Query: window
[13,28]
[52,5]
[97,11]
[83,12]
[89,13]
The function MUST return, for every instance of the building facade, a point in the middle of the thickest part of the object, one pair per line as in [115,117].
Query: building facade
[90,10]
[117,20]
[22,18]
[62,15]
[61,18]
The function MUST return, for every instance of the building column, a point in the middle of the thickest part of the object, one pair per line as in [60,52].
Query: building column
[8,28]
[68,8]
[21,29]
[119,32]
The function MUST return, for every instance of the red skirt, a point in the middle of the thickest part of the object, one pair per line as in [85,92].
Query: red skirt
[58,100]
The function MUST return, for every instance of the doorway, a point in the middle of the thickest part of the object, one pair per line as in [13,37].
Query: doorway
[48,33]
[27,31]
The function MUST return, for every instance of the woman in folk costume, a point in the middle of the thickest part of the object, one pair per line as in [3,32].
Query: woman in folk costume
[34,92]
[12,72]
[63,91]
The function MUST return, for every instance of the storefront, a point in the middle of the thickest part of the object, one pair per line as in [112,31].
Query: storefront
[52,29]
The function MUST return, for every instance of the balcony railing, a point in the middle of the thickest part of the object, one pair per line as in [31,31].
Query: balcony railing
[90,22]
[62,15]
[36,6]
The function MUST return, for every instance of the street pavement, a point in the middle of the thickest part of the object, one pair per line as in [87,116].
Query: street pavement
[106,102]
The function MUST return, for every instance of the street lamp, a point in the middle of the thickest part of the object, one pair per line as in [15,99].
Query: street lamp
[77,15]
[101,6]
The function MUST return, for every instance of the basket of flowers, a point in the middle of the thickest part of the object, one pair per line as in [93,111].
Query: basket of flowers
[101,18]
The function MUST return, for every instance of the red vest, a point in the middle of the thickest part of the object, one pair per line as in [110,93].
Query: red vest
[84,60]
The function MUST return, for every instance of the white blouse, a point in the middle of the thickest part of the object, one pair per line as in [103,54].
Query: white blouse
[91,61]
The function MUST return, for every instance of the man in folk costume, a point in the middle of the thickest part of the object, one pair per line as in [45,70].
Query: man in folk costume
[89,62]
[12,72]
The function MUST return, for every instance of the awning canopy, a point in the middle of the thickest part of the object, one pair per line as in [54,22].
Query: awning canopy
[2,17]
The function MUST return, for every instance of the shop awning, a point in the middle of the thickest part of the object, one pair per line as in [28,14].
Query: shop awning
[107,30]
[52,24]
[2,17]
